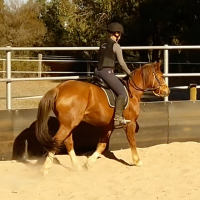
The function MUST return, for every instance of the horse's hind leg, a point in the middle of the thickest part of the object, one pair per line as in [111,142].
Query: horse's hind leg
[70,149]
[62,135]
[48,163]
[100,147]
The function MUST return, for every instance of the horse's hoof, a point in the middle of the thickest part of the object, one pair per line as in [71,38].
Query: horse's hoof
[139,164]
[77,167]
[88,164]
[44,172]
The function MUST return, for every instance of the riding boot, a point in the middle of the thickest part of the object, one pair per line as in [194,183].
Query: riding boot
[119,107]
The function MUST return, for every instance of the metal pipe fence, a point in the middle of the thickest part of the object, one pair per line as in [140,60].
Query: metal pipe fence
[9,80]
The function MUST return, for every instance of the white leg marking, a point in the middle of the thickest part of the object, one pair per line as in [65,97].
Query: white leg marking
[136,160]
[48,162]
[92,159]
[74,160]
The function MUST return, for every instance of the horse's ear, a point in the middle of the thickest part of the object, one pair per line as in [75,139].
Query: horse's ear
[157,65]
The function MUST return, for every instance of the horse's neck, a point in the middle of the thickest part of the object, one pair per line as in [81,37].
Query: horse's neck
[136,86]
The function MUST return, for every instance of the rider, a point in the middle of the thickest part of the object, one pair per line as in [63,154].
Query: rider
[109,50]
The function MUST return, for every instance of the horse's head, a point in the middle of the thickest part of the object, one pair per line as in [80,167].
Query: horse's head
[156,81]
[151,79]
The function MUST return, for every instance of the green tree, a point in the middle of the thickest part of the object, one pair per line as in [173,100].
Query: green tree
[21,26]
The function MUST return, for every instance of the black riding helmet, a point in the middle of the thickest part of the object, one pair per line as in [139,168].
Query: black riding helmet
[115,27]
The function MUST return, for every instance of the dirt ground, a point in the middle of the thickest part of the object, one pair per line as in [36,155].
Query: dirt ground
[24,89]
[169,172]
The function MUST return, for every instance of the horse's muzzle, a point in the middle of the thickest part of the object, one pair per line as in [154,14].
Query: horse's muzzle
[162,92]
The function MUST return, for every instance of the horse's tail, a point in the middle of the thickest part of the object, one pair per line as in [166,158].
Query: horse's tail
[42,133]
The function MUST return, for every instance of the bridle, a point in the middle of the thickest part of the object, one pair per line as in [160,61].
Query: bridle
[133,84]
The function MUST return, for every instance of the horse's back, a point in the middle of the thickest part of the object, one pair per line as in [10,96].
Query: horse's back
[73,87]
[78,88]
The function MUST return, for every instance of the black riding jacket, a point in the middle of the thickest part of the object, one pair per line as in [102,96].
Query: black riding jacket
[106,56]
[108,52]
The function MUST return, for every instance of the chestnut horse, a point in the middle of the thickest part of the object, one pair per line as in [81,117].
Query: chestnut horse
[75,101]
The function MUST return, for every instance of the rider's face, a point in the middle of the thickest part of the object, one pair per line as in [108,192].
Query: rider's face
[118,36]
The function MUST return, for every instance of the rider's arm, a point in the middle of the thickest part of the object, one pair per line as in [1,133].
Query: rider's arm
[117,49]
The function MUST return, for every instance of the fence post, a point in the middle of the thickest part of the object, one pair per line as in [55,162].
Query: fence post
[8,83]
[4,69]
[193,92]
[39,65]
[166,67]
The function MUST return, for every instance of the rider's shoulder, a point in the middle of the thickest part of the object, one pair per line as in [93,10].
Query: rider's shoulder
[116,46]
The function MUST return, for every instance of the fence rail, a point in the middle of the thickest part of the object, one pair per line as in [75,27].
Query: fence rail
[165,47]
[8,60]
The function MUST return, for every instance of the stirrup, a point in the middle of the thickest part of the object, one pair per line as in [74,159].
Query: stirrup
[125,121]
[121,121]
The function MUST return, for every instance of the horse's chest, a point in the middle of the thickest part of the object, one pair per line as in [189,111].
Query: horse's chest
[136,109]
[133,109]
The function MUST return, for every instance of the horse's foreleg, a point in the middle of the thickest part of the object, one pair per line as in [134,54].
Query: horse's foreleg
[70,149]
[130,133]
[100,147]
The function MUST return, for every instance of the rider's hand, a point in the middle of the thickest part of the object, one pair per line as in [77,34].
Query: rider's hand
[130,75]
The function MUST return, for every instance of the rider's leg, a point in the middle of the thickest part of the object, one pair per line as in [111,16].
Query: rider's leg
[114,83]
[119,108]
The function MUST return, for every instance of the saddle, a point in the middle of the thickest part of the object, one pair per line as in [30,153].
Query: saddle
[110,94]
